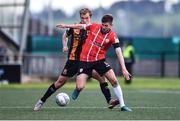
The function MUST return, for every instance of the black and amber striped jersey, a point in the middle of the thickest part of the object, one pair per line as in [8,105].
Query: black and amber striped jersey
[78,38]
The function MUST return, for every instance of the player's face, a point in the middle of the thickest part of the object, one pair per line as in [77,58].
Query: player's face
[106,27]
[85,19]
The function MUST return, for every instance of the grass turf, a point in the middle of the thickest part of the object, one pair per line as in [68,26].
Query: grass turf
[150,99]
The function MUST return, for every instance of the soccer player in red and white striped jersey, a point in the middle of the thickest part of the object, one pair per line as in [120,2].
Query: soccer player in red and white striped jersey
[92,56]
[78,37]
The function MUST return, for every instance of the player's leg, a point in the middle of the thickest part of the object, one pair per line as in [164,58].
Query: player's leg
[69,70]
[105,90]
[80,84]
[110,75]
[103,68]
[56,85]
[103,84]
[51,90]
[84,71]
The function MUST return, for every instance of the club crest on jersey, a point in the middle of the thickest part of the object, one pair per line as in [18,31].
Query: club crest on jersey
[107,40]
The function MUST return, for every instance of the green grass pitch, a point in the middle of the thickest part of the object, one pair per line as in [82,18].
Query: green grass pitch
[150,99]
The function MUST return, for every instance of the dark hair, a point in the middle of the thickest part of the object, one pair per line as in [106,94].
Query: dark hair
[85,11]
[107,18]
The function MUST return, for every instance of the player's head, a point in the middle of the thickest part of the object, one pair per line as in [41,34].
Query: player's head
[85,15]
[107,21]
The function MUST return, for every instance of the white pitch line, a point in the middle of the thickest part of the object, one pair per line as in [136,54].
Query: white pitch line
[156,107]
[158,91]
[27,107]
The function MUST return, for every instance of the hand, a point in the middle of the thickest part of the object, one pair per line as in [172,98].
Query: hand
[65,49]
[126,74]
[61,26]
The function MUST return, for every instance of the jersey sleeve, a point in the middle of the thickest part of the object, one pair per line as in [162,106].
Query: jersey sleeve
[88,26]
[91,26]
[69,32]
[114,38]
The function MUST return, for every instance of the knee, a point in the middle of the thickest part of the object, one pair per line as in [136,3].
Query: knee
[79,87]
[105,84]
[114,83]
[81,81]
[102,80]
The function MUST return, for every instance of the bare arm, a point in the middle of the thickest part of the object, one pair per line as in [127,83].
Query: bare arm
[74,26]
[64,42]
[122,64]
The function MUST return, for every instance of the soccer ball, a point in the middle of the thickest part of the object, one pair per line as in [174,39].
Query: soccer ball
[62,99]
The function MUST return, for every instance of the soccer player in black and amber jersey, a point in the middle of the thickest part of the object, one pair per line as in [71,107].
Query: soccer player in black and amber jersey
[78,37]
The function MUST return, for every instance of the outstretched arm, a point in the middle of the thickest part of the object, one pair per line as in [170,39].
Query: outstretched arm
[122,64]
[74,26]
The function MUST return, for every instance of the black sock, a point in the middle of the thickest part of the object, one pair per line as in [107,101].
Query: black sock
[105,90]
[49,92]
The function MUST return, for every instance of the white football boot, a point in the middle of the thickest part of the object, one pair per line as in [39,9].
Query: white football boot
[38,105]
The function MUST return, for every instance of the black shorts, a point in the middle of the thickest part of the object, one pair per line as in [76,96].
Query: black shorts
[71,68]
[100,66]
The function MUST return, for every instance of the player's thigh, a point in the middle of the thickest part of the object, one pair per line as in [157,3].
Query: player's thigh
[84,71]
[61,81]
[96,76]
[81,80]
[111,77]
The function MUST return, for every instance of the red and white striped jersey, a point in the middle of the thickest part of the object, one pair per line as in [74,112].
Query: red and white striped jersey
[97,44]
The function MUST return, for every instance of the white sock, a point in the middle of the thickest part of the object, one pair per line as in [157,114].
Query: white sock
[119,95]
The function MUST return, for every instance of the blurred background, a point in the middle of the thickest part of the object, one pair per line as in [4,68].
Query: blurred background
[31,47]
